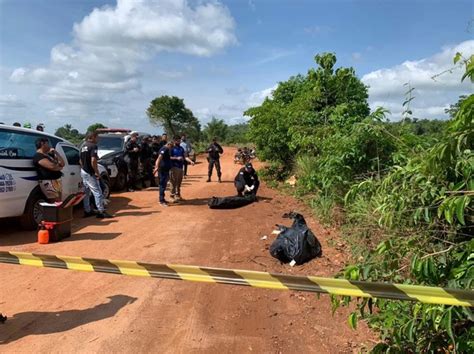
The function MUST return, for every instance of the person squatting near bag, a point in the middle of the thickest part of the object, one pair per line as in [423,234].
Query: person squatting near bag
[146,156]
[178,159]
[246,181]
[162,170]
[48,164]
[131,158]
[91,177]
[296,244]
[214,150]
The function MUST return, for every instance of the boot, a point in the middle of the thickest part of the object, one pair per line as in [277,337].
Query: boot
[208,179]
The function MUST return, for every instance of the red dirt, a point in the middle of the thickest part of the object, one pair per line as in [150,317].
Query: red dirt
[53,310]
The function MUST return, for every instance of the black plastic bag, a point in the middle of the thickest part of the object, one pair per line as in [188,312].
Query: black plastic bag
[296,243]
[231,202]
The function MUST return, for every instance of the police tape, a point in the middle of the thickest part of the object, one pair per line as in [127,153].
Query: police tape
[343,287]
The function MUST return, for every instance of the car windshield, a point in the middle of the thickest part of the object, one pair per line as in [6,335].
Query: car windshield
[114,143]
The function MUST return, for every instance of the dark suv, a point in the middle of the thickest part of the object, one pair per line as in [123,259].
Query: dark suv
[111,155]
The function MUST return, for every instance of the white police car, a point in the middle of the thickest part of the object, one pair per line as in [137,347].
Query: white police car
[20,195]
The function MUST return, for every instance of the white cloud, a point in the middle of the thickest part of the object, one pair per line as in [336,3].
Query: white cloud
[101,66]
[11,101]
[432,95]
[256,98]
[232,111]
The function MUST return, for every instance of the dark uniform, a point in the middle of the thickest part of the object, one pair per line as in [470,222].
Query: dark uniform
[131,159]
[214,150]
[155,151]
[164,171]
[146,154]
[246,177]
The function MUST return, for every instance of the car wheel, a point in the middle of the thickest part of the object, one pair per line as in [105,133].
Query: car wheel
[33,214]
[120,180]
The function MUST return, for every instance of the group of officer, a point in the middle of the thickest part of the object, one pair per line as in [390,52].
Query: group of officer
[146,153]
[172,162]
[168,161]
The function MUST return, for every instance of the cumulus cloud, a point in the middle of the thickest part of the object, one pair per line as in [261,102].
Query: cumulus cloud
[109,45]
[256,98]
[233,111]
[11,101]
[433,92]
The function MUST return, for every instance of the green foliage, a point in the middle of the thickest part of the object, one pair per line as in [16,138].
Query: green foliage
[69,133]
[237,134]
[226,134]
[216,128]
[424,209]
[293,118]
[171,113]
[94,127]
[405,190]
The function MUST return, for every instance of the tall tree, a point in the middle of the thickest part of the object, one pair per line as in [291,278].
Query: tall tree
[303,109]
[216,128]
[95,126]
[171,113]
[69,133]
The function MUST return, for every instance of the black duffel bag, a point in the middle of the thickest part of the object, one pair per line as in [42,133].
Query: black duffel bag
[231,202]
[296,243]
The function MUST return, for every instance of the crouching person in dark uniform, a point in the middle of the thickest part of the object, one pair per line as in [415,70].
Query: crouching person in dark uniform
[132,154]
[246,182]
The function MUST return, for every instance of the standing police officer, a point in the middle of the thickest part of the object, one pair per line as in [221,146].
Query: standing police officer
[132,154]
[146,153]
[214,150]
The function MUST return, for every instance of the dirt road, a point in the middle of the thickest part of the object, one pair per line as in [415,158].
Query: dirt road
[64,311]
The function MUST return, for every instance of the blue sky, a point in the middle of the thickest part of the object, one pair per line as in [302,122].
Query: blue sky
[82,61]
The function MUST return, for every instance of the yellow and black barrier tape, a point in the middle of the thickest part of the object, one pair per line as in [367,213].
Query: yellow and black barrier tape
[425,294]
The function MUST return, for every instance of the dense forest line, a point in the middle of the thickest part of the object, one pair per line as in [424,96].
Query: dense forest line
[400,192]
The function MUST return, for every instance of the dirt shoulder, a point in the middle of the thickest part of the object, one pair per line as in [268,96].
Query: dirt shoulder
[64,311]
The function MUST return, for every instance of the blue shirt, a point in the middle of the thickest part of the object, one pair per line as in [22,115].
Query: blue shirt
[177,151]
[165,163]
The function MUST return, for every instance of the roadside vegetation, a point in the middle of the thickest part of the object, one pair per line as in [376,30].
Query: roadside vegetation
[400,192]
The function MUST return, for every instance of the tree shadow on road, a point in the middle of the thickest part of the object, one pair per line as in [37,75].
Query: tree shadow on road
[40,323]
